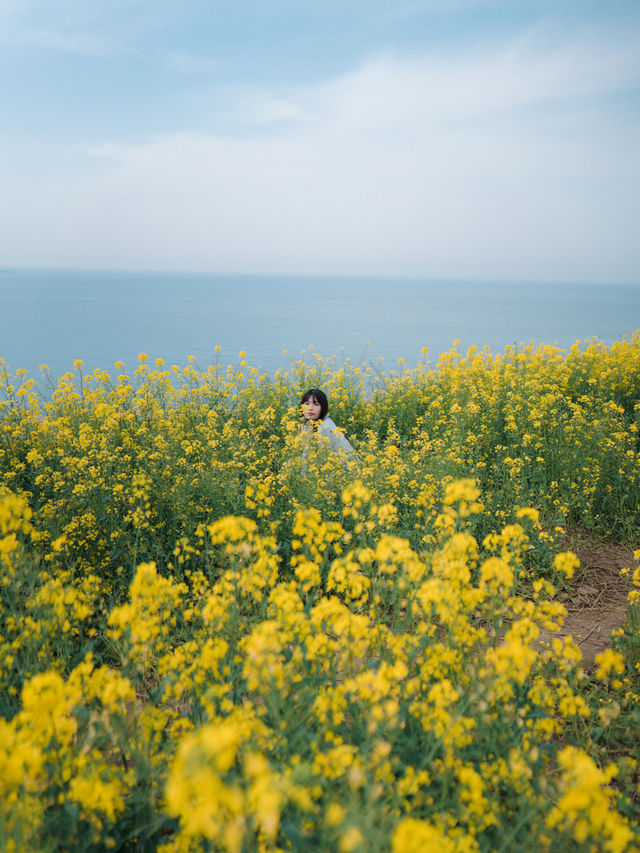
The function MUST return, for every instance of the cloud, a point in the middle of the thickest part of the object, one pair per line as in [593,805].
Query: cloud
[496,165]
[422,91]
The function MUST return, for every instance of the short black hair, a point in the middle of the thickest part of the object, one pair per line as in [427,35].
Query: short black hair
[320,397]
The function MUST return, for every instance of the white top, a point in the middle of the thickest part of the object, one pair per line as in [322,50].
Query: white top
[327,429]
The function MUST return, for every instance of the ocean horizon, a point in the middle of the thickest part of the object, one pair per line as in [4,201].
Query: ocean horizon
[55,317]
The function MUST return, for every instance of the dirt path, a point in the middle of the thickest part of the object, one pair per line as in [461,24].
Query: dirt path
[598,601]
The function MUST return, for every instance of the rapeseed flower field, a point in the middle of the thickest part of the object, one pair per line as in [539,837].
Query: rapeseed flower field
[216,634]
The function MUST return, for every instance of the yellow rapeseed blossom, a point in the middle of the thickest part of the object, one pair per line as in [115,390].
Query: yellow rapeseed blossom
[416,836]
[566,563]
[585,806]
[360,663]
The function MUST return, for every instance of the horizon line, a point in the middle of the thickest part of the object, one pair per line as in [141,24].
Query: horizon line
[452,279]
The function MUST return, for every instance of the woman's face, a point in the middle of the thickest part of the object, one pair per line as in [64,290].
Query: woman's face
[311,409]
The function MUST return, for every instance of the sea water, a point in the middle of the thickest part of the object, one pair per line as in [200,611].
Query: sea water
[54,317]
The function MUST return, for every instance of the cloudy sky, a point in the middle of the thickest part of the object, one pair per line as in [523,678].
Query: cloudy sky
[432,138]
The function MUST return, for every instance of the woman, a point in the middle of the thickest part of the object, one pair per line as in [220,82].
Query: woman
[315,407]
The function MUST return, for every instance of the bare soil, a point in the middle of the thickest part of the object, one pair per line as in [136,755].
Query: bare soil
[597,601]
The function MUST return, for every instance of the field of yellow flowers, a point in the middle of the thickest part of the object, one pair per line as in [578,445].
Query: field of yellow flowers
[218,635]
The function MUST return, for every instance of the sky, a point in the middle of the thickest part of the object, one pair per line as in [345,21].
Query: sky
[441,139]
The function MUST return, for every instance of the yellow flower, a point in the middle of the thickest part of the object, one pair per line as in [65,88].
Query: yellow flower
[418,836]
[350,840]
[335,814]
[609,661]
[566,562]
[96,795]
[585,805]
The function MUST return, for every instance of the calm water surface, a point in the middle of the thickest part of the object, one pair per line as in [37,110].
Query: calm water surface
[55,317]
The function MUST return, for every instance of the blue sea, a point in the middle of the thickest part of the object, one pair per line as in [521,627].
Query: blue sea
[56,317]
